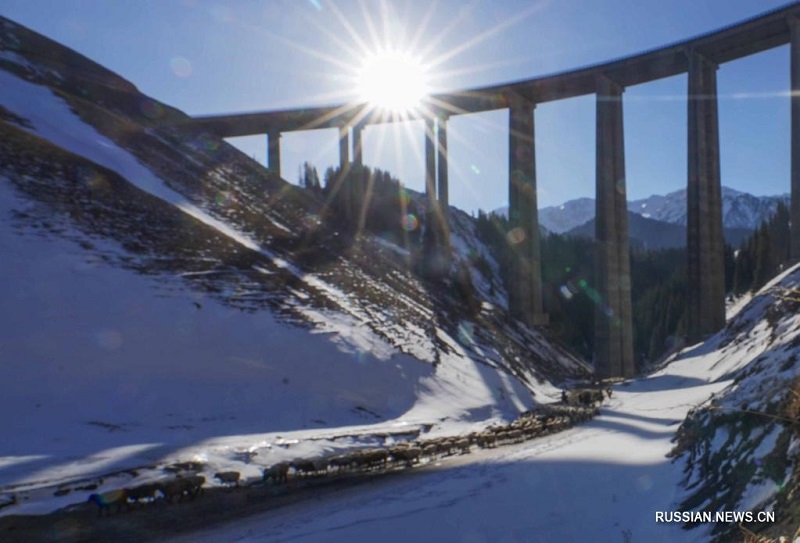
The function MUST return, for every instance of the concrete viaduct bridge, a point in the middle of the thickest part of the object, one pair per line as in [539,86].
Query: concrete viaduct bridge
[699,57]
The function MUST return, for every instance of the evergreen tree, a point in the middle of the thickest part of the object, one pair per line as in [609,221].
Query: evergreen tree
[763,263]
[309,178]
[764,253]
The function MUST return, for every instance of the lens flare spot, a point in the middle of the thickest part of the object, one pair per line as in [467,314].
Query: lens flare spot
[225,198]
[152,109]
[593,295]
[466,332]
[110,340]
[474,169]
[523,153]
[96,181]
[410,222]
[208,143]
[91,262]
[181,66]
[311,222]
[565,292]
[645,483]
[572,288]
[223,14]
[516,236]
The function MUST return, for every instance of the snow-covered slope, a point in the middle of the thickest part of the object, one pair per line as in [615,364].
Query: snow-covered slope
[168,301]
[607,480]
[740,450]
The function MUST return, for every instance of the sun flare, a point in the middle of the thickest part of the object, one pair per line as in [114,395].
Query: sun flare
[392,80]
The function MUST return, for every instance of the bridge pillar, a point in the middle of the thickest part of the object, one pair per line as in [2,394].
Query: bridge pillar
[794,28]
[705,244]
[613,330]
[358,149]
[274,150]
[430,162]
[344,147]
[525,292]
[441,165]
[436,250]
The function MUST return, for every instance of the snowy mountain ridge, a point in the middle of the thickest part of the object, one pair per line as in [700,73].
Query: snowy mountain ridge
[739,210]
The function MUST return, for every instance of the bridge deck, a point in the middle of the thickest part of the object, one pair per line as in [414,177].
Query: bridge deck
[733,42]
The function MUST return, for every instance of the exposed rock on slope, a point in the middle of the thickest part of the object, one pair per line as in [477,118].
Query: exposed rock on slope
[740,449]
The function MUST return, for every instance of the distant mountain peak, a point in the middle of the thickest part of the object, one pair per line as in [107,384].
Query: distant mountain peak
[740,210]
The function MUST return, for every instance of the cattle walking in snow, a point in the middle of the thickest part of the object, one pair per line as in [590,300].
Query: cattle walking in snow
[183,487]
[229,478]
[106,500]
[277,473]
[146,493]
[587,397]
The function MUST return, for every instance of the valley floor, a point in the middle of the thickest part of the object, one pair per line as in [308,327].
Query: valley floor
[604,480]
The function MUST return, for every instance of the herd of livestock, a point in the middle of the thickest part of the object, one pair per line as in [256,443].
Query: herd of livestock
[402,455]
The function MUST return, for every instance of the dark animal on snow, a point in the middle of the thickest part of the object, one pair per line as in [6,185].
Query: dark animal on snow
[342,462]
[228,477]
[277,473]
[407,455]
[586,396]
[106,500]
[463,445]
[487,440]
[183,487]
[145,493]
[303,467]
[430,450]
[196,483]
[372,459]
[321,465]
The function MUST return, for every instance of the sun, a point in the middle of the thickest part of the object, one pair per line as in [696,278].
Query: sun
[394,81]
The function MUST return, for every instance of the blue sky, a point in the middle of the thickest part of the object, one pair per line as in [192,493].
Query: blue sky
[221,56]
